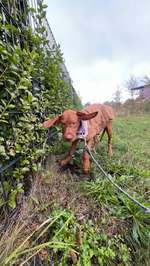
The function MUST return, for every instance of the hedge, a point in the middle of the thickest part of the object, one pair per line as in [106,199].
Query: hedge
[31,89]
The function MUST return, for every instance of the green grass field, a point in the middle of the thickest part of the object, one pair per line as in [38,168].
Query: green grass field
[91,223]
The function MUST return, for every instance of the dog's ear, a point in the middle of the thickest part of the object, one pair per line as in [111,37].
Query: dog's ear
[51,122]
[84,116]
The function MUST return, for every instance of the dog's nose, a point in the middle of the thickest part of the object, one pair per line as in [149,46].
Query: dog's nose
[68,137]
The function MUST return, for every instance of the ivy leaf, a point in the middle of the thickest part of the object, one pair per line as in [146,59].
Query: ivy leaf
[11,106]
[12,152]
[30,97]
[3,102]
[2,150]
[4,121]
[12,199]
[11,82]
[21,87]
[25,170]
[14,68]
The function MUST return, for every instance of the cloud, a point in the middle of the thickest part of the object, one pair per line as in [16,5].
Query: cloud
[104,42]
[96,82]
[141,69]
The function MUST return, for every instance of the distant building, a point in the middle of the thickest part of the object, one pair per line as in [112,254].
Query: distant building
[142,91]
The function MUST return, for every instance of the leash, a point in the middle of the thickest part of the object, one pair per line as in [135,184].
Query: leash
[110,178]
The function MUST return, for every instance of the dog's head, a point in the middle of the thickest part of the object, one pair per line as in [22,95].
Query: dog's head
[70,121]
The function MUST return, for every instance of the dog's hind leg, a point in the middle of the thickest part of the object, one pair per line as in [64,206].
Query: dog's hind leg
[109,133]
[97,139]
[102,134]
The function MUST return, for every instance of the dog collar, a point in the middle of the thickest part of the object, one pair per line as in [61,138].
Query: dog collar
[82,130]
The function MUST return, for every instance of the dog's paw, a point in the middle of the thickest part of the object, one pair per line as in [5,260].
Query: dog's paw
[110,153]
[85,171]
[63,163]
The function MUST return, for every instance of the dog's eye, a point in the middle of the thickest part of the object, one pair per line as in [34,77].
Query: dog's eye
[73,123]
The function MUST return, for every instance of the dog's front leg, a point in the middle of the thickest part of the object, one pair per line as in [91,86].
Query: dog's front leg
[86,158]
[71,152]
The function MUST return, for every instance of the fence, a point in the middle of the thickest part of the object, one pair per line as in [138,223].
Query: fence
[14,12]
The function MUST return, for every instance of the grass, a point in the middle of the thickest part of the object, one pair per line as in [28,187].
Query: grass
[72,219]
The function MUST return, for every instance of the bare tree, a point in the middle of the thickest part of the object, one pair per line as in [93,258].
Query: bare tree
[146,79]
[132,83]
[117,96]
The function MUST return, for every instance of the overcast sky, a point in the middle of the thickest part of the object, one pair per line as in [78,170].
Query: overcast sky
[103,42]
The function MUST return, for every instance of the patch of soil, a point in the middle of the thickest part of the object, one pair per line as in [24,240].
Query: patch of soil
[64,188]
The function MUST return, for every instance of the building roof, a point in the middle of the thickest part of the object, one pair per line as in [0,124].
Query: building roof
[141,87]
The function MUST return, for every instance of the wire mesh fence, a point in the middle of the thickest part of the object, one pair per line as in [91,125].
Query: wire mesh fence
[20,14]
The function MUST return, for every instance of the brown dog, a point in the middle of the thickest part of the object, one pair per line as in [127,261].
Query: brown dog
[89,123]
